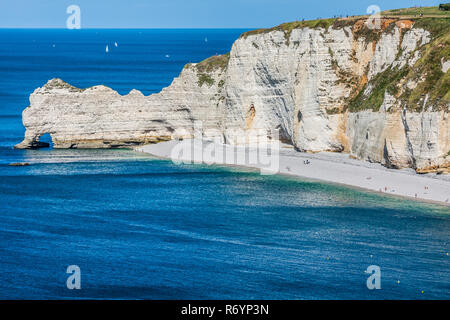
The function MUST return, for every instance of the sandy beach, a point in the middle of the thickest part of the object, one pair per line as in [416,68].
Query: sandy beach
[325,166]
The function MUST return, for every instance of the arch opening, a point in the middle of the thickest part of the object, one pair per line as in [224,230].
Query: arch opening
[43,141]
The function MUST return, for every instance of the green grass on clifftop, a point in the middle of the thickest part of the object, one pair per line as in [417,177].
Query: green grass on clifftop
[411,85]
[289,26]
[213,63]
[426,11]
[436,26]
[408,13]
[61,84]
[209,65]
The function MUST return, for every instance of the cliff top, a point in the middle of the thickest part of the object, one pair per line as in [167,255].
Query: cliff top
[432,78]
[415,14]
[430,12]
[212,63]
[57,83]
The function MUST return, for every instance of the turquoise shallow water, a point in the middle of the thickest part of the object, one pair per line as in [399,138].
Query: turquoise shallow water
[146,228]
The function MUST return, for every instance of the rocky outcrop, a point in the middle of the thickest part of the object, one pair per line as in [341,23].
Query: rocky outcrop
[99,117]
[339,87]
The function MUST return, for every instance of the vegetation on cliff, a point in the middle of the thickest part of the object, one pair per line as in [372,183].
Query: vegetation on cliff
[427,76]
[383,82]
[289,26]
[416,11]
[431,85]
[205,67]
[213,63]
[428,73]
[60,84]
[421,15]
[205,78]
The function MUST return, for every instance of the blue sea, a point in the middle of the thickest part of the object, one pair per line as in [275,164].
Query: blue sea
[144,228]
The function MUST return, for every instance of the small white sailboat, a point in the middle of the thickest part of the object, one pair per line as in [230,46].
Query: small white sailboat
[107,49]
[115,44]
[167,56]
[206,39]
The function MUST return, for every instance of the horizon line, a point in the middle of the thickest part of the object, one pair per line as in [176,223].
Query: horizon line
[131,28]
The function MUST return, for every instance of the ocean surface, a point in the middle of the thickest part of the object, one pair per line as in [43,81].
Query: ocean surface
[143,228]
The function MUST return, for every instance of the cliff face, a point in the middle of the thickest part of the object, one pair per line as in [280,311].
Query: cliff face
[381,95]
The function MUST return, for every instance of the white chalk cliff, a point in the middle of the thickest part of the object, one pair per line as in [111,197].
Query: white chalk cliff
[341,88]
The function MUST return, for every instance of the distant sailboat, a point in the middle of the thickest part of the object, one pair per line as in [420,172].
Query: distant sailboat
[167,56]
[107,49]
[206,39]
[115,44]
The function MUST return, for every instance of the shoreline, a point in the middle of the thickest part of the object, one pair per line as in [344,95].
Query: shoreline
[334,168]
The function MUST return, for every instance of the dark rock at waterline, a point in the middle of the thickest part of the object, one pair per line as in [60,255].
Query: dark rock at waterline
[31,145]
[19,164]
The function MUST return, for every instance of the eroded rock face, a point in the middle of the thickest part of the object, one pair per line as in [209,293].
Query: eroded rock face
[300,84]
[400,139]
[99,117]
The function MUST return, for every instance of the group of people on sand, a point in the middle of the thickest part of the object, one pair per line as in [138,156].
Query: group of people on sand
[415,195]
[386,190]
